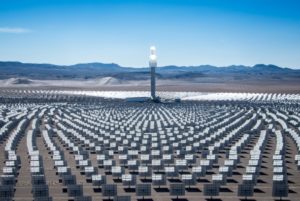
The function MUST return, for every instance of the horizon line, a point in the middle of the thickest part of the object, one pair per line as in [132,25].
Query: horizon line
[113,63]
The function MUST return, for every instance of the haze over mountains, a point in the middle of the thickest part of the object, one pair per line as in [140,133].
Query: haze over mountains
[100,70]
[100,76]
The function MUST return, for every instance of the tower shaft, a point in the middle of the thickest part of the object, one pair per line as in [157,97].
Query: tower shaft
[153,87]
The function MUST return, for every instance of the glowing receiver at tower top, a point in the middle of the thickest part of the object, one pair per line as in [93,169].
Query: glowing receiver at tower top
[153,58]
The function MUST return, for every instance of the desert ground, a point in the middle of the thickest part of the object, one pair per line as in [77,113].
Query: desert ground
[111,84]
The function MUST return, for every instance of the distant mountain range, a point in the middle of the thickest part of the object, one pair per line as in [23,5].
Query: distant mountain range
[88,71]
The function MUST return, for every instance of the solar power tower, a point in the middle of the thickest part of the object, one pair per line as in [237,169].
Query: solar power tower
[153,65]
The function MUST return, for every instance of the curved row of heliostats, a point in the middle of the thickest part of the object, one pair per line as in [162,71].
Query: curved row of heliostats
[225,96]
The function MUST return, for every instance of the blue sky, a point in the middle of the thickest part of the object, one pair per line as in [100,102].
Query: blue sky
[185,32]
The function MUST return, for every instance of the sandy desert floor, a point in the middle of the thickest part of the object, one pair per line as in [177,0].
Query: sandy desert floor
[253,86]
